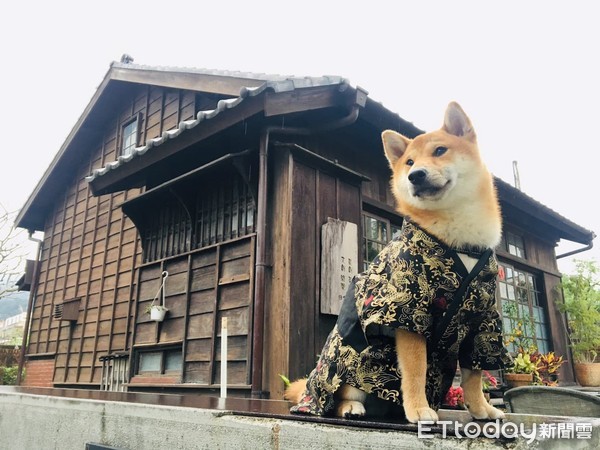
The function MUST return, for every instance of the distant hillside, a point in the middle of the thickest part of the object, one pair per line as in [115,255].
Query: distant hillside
[13,304]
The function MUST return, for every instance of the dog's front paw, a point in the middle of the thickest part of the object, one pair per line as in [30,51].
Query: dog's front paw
[485,411]
[350,409]
[415,415]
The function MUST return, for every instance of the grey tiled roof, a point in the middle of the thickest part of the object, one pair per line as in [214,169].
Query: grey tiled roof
[225,73]
[276,83]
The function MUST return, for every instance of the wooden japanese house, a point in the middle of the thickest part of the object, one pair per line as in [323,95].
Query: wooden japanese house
[225,180]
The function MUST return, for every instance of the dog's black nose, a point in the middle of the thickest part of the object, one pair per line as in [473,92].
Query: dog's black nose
[418,176]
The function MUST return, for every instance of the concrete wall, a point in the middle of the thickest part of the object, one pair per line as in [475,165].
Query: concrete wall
[39,421]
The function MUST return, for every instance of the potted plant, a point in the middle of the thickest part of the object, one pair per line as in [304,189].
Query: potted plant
[524,367]
[548,365]
[582,308]
[157,312]
[455,398]
[522,371]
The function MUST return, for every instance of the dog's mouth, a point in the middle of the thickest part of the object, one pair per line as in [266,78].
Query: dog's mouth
[428,191]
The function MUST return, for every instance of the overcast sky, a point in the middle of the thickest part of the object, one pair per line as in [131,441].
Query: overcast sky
[526,72]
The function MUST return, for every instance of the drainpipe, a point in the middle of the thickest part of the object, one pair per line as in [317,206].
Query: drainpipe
[579,250]
[32,293]
[261,227]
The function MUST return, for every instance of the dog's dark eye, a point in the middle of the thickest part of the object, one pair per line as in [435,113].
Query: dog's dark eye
[409,162]
[440,151]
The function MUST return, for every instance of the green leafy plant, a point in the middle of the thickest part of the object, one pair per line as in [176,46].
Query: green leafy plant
[286,380]
[519,338]
[523,364]
[548,365]
[528,359]
[8,375]
[582,307]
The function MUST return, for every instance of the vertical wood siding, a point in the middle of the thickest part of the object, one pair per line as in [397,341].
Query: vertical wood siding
[304,197]
[202,287]
[90,249]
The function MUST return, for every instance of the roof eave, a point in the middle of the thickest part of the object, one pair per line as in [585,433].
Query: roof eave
[271,100]
[27,218]
[564,228]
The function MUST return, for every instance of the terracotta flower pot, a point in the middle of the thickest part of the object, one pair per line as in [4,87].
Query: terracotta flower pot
[587,374]
[518,379]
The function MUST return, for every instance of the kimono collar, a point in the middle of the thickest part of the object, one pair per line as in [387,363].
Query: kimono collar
[470,250]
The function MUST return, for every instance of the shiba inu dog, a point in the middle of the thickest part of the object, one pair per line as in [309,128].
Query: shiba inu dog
[427,301]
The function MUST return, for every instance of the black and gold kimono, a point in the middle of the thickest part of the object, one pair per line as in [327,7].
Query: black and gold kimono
[417,283]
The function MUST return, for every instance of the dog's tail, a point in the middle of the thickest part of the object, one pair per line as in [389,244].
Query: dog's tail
[295,391]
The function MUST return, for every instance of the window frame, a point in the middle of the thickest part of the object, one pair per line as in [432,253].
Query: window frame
[163,350]
[390,227]
[536,302]
[137,119]
[512,238]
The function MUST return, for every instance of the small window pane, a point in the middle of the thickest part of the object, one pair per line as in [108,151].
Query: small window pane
[129,138]
[395,231]
[507,325]
[373,249]
[503,290]
[523,311]
[522,295]
[535,298]
[538,313]
[530,282]
[511,292]
[369,227]
[540,333]
[173,361]
[376,229]
[150,362]
[515,245]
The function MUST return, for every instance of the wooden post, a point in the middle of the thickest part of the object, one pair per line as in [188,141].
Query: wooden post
[224,357]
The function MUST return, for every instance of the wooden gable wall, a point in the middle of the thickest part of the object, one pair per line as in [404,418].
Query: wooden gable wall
[90,250]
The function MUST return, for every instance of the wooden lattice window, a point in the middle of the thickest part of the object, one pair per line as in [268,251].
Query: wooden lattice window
[167,231]
[218,209]
[224,212]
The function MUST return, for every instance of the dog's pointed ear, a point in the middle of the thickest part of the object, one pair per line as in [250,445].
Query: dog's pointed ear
[394,145]
[457,123]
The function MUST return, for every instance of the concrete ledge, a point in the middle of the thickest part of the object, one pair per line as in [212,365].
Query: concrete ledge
[31,421]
